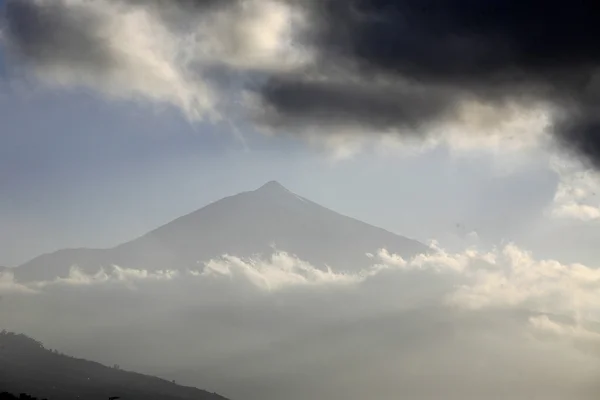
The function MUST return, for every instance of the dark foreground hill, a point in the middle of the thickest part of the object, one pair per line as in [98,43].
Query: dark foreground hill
[247,224]
[22,396]
[27,367]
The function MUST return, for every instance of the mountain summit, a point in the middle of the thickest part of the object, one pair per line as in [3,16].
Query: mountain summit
[272,187]
[256,223]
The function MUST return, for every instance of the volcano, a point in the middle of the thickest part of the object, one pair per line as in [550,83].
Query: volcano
[249,224]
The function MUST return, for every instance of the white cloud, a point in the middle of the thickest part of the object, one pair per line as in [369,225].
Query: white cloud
[516,280]
[497,128]
[388,259]
[280,272]
[546,325]
[253,35]
[156,53]
[127,276]
[509,277]
[140,58]
[248,326]
[582,212]
[9,286]
[578,194]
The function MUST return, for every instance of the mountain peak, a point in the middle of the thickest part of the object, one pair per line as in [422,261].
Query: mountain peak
[272,186]
[245,225]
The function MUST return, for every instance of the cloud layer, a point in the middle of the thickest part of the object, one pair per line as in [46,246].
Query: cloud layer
[401,67]
[473,324]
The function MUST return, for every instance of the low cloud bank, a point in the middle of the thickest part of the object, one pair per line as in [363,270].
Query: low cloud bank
[491,324]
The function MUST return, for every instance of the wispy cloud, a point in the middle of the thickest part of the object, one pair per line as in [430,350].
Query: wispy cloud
[120,51]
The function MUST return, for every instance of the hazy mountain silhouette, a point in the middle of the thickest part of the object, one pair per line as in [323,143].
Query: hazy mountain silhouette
[27,367]
[246,224]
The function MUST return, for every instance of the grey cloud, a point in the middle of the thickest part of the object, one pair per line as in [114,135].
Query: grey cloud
[493,50]
[580,134]
[462,40]
[107,46]
[450,52]
[172,11]
[193,4]
[381,106]
[55,33]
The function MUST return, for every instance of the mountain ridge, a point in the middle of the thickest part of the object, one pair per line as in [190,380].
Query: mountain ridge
[247,224]
[26,366]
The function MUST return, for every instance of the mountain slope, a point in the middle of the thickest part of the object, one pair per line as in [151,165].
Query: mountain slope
[246,224]
[27,367]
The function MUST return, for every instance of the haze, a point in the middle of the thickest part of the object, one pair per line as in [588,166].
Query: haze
[281,199]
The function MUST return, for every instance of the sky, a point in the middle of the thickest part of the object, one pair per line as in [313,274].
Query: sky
[468,125]
[88,173]
[92,157]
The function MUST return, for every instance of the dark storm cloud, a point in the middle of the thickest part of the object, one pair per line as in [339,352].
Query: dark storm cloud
[493,50]
[427,56]
[463,40]
[193,6]
[581,134]
[353,103]
[45,35]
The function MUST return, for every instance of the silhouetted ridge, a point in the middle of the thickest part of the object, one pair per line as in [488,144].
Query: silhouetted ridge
[27,367]
[22,396]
